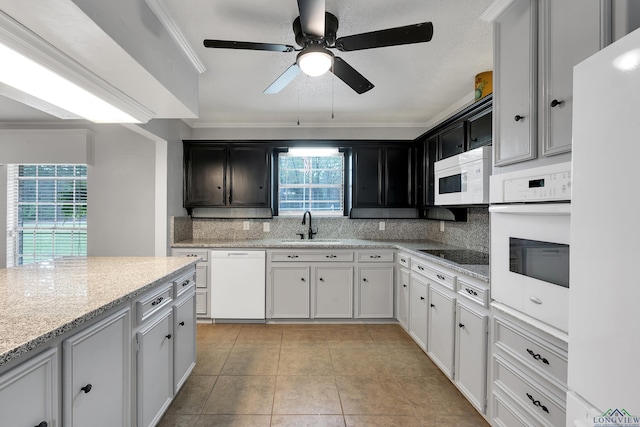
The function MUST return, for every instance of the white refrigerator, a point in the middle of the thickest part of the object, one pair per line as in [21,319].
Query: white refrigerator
[604,318]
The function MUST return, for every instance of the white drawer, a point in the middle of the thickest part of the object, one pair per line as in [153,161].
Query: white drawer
[528,393]
[312,256]
[404,260]
[202,300]
[152,302]
[474,292]
[506,414]
[383,256]
[184,284]
[201,253]
[445,279]
[543,357]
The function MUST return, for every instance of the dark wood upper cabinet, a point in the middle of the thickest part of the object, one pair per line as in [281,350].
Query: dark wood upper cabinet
[481,129]
[225,175]
[368,174]
[453,140]
[398,177]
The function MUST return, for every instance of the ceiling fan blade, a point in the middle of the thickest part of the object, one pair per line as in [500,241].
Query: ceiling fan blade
[312,17]
[229,44]
[350,76]
[284,79]
[416,33]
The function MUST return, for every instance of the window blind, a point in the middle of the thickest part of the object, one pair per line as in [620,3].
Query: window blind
[47,212]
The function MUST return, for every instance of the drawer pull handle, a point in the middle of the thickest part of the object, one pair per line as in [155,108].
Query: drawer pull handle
[374,256]
[403,260]
[537,403]
[440,276]
[471,292]
[292,256]
[181,323]
[331,256]
[535,300]
[537,357]
[185,283]
[42,424]
[157,301]
[421,268]
[168,336]
[461,325]
[87,388]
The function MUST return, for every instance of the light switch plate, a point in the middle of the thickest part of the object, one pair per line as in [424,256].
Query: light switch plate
[266,227]
[382,226]
[246,225]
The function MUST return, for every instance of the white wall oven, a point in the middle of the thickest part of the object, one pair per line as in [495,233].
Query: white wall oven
[530,242]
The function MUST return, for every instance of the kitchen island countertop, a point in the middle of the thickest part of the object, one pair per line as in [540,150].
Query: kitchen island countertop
[480,272]
[41,301]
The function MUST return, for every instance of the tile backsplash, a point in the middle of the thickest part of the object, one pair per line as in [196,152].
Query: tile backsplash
[473,234]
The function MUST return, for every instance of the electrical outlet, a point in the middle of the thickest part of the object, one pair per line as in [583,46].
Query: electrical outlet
[382,226]
[246,225]
[441,225]
[266,227]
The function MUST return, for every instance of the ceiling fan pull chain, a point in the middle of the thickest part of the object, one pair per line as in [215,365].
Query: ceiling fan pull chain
[333,85]
[298,105]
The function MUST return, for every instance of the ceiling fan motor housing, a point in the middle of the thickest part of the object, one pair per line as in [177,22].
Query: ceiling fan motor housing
[330,31]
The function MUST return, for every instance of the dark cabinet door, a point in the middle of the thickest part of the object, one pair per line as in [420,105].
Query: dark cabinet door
[398,177]
[480,129]
[452,141]
[249,176]
[205,182]
[368,177]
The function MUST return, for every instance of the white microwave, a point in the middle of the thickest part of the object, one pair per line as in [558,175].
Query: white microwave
[463,179]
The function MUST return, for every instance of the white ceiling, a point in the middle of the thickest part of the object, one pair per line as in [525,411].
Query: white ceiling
[414,84]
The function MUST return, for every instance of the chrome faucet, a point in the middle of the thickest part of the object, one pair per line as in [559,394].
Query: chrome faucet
[304,222]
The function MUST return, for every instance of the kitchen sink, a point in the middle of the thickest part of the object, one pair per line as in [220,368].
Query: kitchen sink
[311,242]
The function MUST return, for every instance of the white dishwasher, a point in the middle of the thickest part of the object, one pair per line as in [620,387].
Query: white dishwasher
[237,285]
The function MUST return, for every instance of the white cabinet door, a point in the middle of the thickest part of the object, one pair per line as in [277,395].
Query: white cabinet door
[29,392]
[442,310]
[185,339]
[290,292]
[202,303]
[333,292]
[375,292]
[155,368]
[418,311]
[97,377]
[515,83]
[471,355]
[402,298]
[564,42]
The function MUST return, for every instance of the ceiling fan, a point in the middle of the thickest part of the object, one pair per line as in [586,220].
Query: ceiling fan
[315,31]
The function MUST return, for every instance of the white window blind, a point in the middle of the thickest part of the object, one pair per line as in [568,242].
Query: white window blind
[313,182]
[46,212]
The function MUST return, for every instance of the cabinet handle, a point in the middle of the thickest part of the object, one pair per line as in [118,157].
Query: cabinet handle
[292,256]
[537,403]
[158,301]
[87,388]
[555,103]
[535,300]
[432,305]
[474,139]
[421,268]
[403,260]
[331,256]
[322,279]
[168,336]
[303,279]
[440,276]
[471,291]
[181,323]
[185,283]
[518,117]
[461,325]
[364,279]
[536,356]
[422,298]
[459,146]
[42,424]
[374,256]
[404,286]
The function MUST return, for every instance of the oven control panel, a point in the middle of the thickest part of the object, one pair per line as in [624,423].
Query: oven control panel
[544,187]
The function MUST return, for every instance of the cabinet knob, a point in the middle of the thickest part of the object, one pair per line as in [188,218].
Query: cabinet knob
[42,424]
[461,325]
[168,336]
[474,139]
[364,279]
[321,279]
[432,305]
[518,118]
[181,323]
[219,188]
[422,298]
[87,388]
[555,103]
[404,286]
[302,279]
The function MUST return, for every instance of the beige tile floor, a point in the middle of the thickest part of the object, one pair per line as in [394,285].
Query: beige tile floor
[315,375]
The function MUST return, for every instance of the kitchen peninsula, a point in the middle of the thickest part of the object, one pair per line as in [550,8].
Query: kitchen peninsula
[91,335]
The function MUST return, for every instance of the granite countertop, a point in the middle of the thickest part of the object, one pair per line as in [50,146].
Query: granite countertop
[41,301]
[480,272]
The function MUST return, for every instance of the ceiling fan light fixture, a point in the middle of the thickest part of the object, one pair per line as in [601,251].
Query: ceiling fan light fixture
[315,61]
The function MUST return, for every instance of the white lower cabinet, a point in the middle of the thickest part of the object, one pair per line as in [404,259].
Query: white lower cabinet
[333,292]
[97,378]
[203,288]
[471,355]
[29,392]
[290,292]
[375,292]
[402,297]
[418,311]
[155,368]
[440,344]
[184,356]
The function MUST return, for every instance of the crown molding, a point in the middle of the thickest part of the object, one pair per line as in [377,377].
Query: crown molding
[159,8]
[495,9]
[454,108]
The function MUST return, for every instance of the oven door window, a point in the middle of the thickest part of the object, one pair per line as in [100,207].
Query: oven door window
[453,184]
[544,261]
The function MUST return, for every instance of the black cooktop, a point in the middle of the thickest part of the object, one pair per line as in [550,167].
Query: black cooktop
[460,256]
